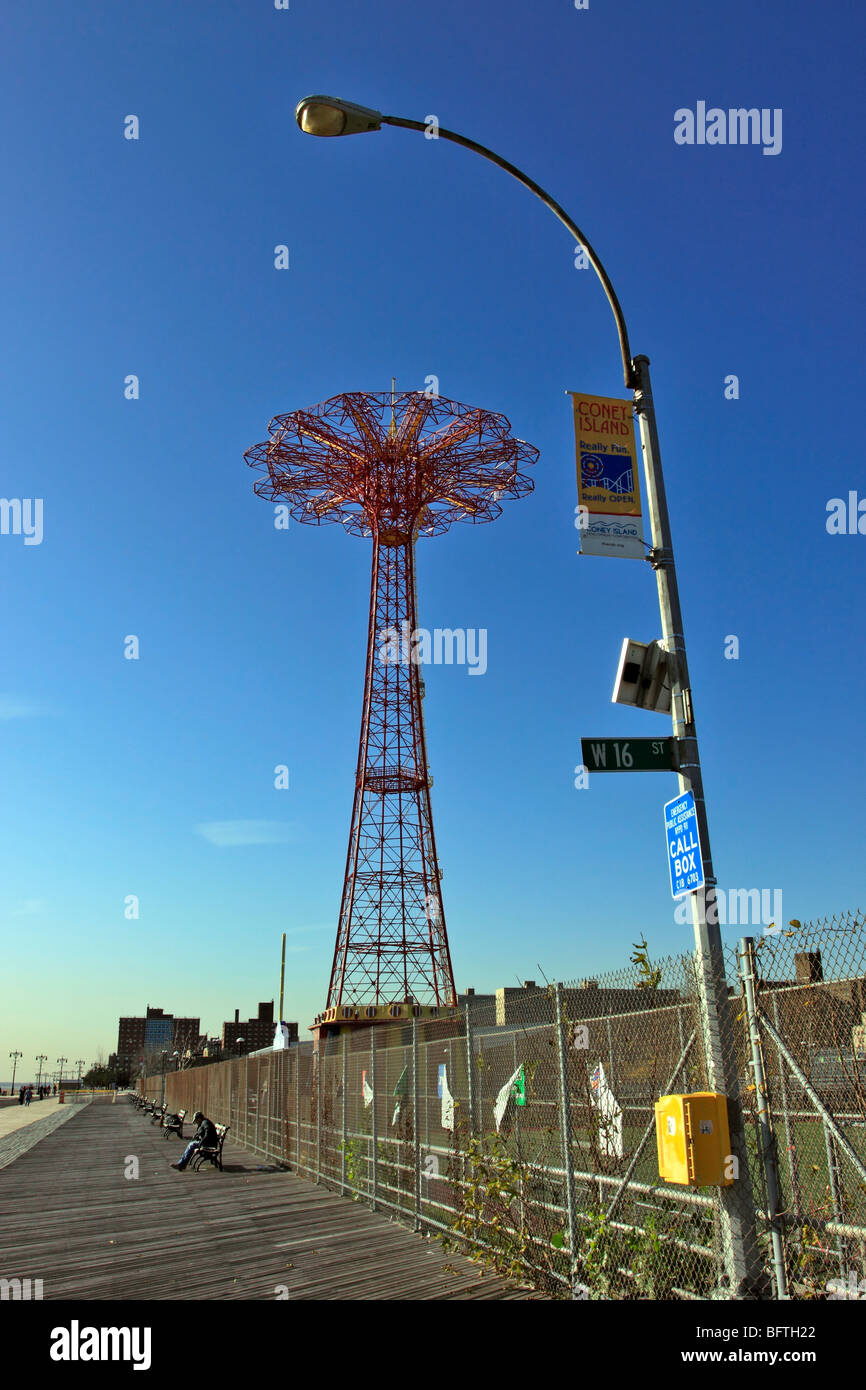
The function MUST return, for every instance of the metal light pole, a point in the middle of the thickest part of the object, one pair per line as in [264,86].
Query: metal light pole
[60,1062]
[282,978]
[328,116]
[14,1056]
[40,1059]
[80,1065]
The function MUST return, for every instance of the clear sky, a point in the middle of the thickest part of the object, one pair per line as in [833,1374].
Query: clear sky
[409,257]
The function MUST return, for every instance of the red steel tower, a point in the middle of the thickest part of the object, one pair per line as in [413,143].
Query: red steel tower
[391,467]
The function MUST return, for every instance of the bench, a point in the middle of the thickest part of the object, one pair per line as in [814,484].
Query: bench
[213,1154]
[158,1113]
[173,1124]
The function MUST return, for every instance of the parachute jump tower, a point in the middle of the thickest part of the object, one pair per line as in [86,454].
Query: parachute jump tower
[391,467]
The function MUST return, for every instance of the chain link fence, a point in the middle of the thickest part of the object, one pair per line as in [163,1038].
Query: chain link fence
[522,1126]
[801,1053]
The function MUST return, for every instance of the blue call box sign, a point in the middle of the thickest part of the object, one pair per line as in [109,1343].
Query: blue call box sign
[684,847]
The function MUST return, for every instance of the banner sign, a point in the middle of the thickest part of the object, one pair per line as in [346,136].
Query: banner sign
[608,491]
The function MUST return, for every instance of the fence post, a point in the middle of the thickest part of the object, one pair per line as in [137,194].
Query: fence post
[682,1043]
[374,1125]
[298,1110]
[470,1071]
[271,1060]
[517,1143]
[793,1157]
[343,1160]
[256,1144]
[610,1078]
[416,1128]
[766,1134]
[320,1063]
[565,1127]
[286,1065]
[838,1214]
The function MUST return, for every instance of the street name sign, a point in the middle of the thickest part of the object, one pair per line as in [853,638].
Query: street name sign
[685,860]
[627,754]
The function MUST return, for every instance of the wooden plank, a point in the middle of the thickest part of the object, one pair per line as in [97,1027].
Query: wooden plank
[70,1217]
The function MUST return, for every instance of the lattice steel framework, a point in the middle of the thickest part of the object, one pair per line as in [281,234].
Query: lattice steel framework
[392,467]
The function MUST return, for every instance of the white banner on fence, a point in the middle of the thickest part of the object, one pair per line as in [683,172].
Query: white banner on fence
[610,1114]
[447,1099]
[505,1095]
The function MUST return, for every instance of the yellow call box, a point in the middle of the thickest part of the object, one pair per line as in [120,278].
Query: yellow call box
[693,1140]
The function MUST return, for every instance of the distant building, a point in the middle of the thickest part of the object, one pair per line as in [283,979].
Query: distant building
[527,1004]
[256,1032]
[482,1007]
[156,1032]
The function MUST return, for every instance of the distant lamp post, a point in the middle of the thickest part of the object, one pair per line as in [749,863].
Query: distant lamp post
[40,1059]
[80,1065]
[14,1056]
[239,1044]
[61,1062]
[329,116]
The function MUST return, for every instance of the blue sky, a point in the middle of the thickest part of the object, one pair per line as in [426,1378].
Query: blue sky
[409,257]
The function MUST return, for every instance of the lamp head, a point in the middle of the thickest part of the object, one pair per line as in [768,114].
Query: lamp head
[320,115]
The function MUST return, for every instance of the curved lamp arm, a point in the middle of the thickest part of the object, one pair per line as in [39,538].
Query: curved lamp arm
[330,116]
[628,369]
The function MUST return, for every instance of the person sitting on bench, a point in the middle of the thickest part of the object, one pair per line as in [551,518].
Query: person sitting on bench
[205,1137]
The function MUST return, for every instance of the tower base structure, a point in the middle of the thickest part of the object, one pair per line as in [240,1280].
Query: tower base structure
[348,1018]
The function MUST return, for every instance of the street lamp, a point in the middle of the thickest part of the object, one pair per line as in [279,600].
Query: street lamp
[14,1056]
[330,116]
[60,1061]
[80,1065]
[40,1059]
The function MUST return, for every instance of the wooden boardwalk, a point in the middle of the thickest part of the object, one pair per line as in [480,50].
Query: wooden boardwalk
[70,1217]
